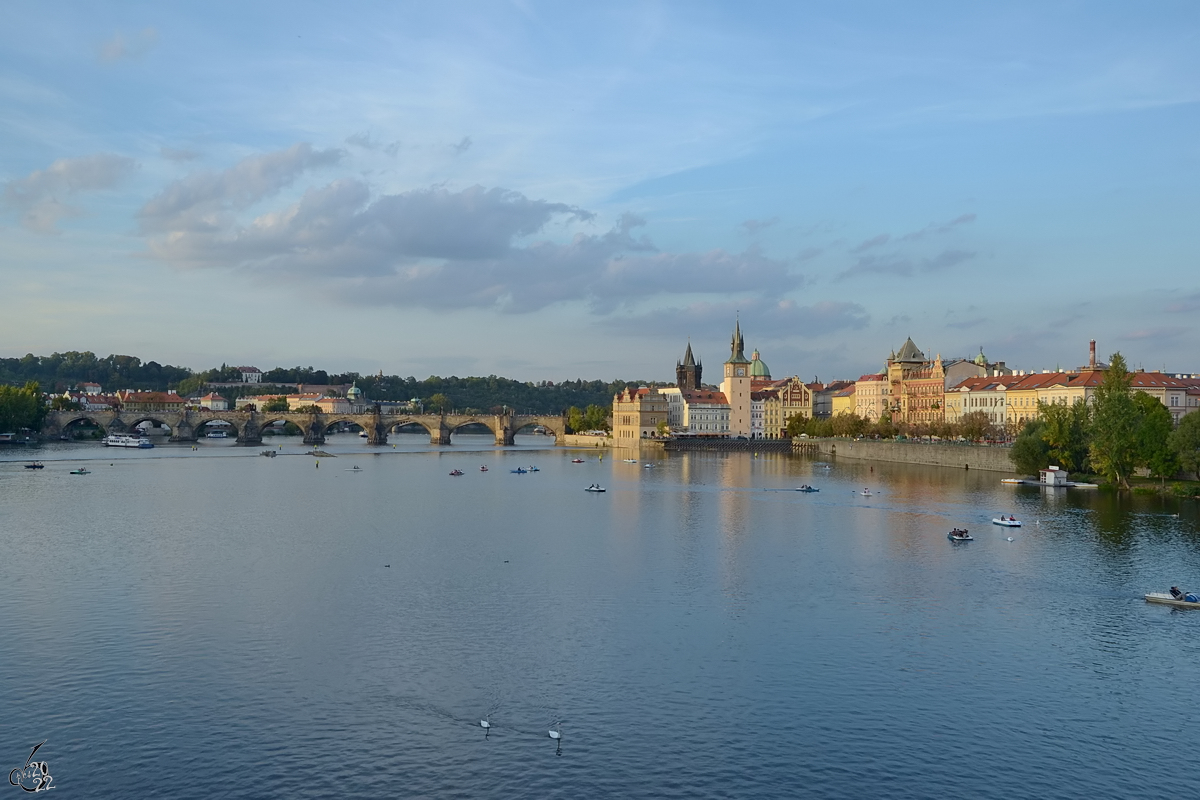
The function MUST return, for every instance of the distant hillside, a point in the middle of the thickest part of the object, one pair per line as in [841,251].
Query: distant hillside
[61,371]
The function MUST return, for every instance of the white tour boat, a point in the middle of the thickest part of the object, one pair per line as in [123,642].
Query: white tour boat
[126,440]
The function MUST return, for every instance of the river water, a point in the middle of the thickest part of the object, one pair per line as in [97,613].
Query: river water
[211,623]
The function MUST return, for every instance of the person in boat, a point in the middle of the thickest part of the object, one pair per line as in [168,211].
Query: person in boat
[1178,595]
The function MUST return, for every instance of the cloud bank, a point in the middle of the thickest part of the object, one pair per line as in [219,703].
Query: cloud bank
[434,247]
[40,196]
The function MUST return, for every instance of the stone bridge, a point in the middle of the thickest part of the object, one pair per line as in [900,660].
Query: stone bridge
[186,425]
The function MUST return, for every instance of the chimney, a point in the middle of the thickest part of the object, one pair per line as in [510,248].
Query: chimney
[1092,356]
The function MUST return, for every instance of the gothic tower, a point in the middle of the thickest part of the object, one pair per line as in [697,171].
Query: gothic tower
[687,373]
[736,385]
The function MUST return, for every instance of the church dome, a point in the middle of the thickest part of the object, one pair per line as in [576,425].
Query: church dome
[354,393]
[981,359]
[758,367]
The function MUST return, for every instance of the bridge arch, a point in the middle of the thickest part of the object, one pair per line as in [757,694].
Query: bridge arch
[393,425]
[458,424]
[231,422]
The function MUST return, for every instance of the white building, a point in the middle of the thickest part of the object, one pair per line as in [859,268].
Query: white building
[250,374]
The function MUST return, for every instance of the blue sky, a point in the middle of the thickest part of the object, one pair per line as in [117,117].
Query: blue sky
[546,191]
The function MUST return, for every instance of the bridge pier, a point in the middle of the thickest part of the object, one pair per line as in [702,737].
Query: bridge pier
[182,432]
[377,432]
[251,433]
[440,435]
[314,432]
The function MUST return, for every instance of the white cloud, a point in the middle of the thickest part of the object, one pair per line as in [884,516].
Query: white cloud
[39,196]
[203,201]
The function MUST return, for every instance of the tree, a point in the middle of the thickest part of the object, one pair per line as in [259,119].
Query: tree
[1185,442]
[21,408]
[309,409]
[1114,448]
[848,424]
[1030,452]
[976,426]
[1153,435]
[795,425]
[275,405]
[1066,430]
[575,419]
[439,403]
[596,418]
[61,403]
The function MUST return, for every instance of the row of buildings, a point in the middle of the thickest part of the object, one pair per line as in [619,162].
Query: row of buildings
[910,389]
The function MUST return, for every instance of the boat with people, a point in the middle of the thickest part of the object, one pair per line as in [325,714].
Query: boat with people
[456,472]
[960,535]
[595,487]
[576,460]
[35,465]
[629,460]
[865,492]
[268,453]
[1175,597]
[519,471]
[81,471]
[483,467]
[534,469]
[1008,522]
[806,488]
[127,440]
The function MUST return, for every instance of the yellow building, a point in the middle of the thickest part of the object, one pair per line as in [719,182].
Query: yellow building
[871,396]
[637,414]
[843,401]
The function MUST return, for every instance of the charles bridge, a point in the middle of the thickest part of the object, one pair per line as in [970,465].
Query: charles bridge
[186,425]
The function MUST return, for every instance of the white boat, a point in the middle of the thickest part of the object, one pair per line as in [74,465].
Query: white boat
[1168,600]
[125,440]
[363,434]
[1008,522]
[865,492]
[629,460]
[595,487]
[216,435]
[960,535]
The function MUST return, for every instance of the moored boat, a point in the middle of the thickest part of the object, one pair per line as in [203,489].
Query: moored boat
[126,440]
[960,535]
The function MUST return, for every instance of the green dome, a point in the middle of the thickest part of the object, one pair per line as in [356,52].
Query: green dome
[981,359]
[758,367]
[354,393]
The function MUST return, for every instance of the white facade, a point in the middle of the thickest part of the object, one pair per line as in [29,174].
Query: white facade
[757,425]
[250,374]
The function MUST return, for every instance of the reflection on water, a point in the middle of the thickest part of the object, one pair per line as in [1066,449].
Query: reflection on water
[247,626]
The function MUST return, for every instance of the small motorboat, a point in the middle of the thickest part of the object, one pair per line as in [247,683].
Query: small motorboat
[1008,522]
[960,535]
[807,488]
[595,487]
[649,466]
[81,471]
[519,471]
[35,465]
[456,472]
[629,460]
[483,467]
[865,492]
[1175,597]
[534,469]
[357,468]
[576,460]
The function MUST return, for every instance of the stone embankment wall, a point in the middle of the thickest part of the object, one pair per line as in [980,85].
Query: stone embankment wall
[575,440]
[731,445]
[960,456]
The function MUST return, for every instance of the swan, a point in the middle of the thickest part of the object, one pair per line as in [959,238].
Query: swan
[555,734]
[483,723]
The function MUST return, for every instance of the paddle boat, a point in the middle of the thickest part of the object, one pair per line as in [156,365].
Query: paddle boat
[81,471]
[456,472]
[865,492]
[576,460]
[483,467]
[595,487]
[534,469]
[1008,522]
[960,535]
[629,460]
[807,488]
[518,471]
[1176,597]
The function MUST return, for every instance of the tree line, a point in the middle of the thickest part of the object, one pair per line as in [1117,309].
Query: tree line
[1119,432]
[974,427]
[59,372]
[21,408]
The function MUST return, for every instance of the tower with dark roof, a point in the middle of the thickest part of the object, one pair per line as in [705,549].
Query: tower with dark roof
[688,372]
[736,385]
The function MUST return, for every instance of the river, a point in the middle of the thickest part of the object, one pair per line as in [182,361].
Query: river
[211,623]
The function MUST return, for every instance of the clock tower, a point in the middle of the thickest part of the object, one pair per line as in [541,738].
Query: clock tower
[736,385]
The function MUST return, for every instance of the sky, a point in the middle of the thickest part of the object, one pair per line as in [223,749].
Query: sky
[555,190]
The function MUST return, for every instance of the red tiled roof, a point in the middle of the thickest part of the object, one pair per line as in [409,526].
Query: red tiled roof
[704,397]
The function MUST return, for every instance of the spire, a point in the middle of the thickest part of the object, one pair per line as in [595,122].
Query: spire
[737,346]
[688,359]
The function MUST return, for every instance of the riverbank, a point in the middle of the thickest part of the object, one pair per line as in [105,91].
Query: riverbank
[990,458]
